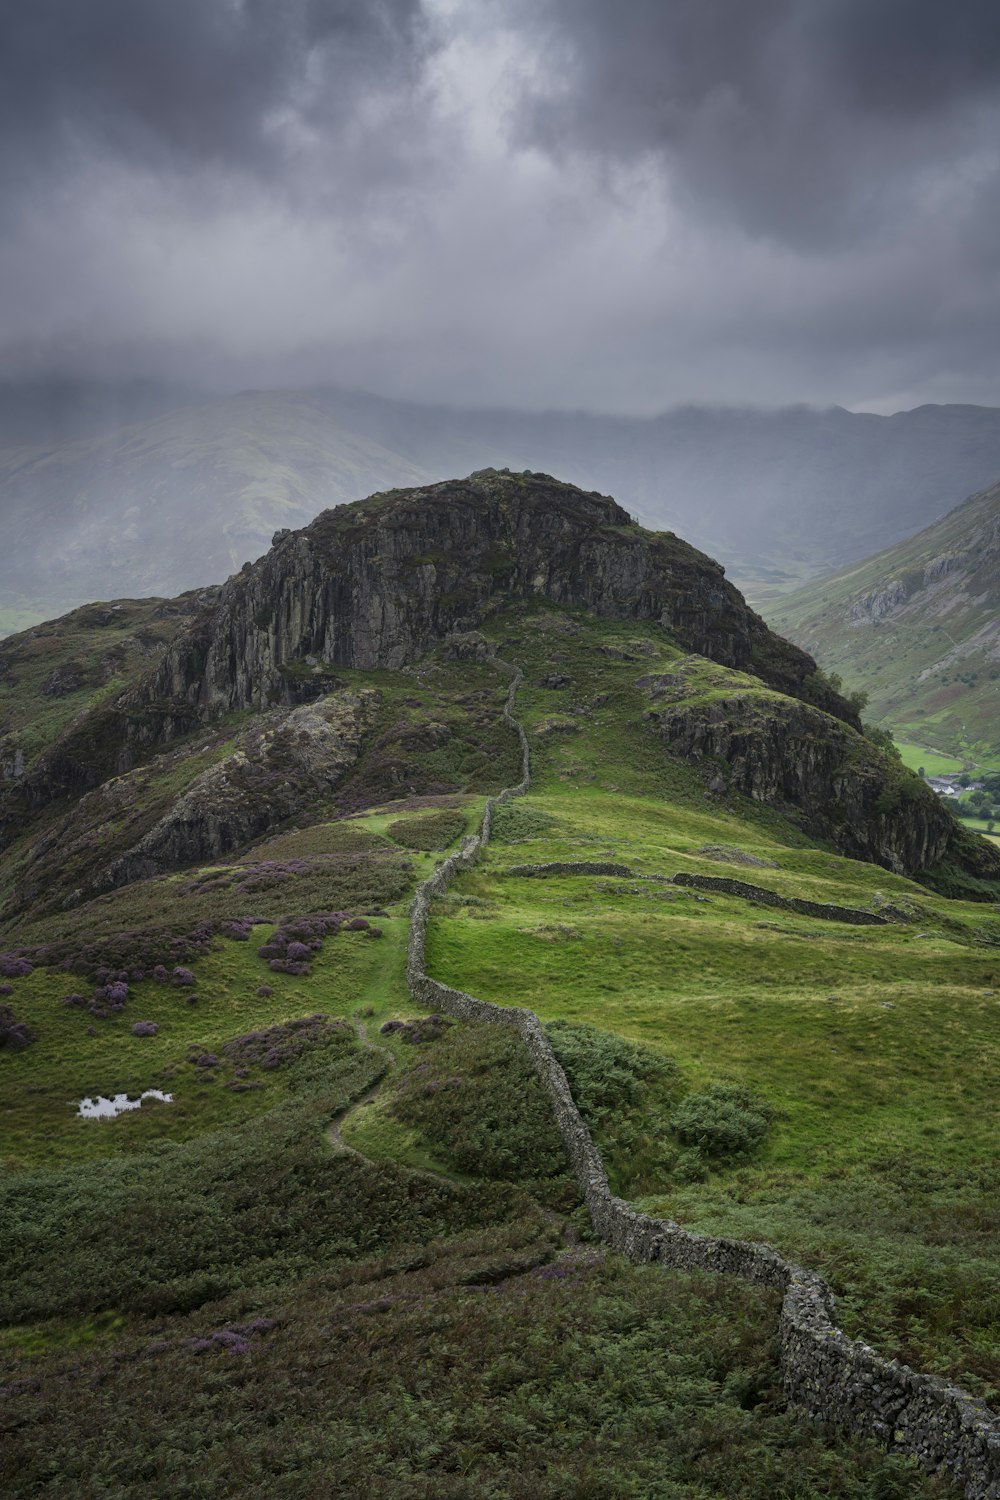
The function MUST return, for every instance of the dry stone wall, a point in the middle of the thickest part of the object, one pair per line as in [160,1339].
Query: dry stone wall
[825,910]
[835,1378]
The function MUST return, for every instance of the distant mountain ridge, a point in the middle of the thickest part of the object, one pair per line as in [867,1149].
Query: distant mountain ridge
[192,486]
[918,628]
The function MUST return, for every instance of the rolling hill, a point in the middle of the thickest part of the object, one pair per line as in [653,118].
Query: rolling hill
[917,627]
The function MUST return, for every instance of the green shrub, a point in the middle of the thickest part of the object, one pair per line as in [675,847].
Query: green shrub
[623,1092]
[515,822]
[434,830]
[476,1099]
[726,1122]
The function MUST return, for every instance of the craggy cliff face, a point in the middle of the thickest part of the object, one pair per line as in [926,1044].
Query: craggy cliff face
[377,583]
[794,758]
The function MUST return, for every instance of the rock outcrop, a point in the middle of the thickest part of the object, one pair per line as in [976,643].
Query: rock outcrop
[284,761]
[843,788]
[282,766]
[378,583]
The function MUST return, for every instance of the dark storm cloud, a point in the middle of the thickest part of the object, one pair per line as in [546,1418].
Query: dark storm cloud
[805,119]
[182,83]
[618,204]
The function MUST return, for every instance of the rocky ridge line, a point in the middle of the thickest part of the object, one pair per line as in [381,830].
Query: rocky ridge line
[835,1378]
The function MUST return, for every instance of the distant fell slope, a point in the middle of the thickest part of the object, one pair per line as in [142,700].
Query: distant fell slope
[183,496]
[918,628]
[178,501]
[777,496]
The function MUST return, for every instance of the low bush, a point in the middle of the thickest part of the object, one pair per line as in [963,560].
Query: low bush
[726,1122]
[477,1101]
[623,1091]
[434,830]
[15,1035]
[516,822]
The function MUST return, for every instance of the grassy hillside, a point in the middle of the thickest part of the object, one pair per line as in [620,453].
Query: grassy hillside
[177,501]
[53,672]
[918,628]
[876,1049]
[346,1255]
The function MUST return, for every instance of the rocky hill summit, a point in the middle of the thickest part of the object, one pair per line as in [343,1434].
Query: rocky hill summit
[150,777]
[374,584]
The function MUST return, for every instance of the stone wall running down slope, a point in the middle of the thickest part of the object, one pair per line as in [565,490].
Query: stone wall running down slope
[835,1378]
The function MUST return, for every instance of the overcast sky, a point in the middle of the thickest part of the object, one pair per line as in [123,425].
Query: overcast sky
[614,204]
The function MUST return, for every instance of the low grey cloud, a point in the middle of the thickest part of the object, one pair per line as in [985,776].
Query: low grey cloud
[189,83]
[813,121]
[526,202]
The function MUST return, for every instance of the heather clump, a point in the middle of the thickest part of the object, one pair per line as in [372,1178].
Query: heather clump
[15,1035]
[14,966]
[362,877]
[277,1046]
[133,954]
[239,929]
[429,1029]
[297,939]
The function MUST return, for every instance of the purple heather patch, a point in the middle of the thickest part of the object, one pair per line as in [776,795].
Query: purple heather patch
[13,966]
[274,1046]
[15,1035]
[223,1338]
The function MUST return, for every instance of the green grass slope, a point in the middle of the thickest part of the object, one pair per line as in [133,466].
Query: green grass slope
[55,671]
[348,1260]
[918,629]
[875,1050]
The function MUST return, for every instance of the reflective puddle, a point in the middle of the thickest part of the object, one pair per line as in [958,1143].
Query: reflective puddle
[106,1109]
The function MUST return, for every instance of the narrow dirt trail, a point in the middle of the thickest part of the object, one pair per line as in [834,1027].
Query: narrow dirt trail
[333,1130]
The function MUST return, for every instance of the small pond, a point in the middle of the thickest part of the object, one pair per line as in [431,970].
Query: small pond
[106,1109]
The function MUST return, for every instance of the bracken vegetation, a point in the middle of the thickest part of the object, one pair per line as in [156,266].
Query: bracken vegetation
[347,1256]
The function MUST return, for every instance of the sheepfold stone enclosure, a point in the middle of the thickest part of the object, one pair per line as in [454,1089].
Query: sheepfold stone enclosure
[834,1378]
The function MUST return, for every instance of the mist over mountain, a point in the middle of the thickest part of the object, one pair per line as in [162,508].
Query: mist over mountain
[128,491]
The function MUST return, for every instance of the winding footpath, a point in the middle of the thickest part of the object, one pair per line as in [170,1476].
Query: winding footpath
[835,1378]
